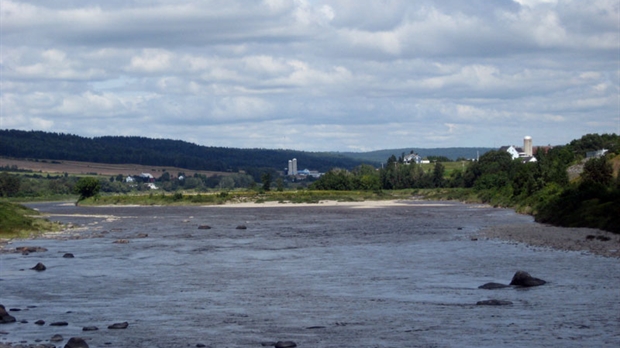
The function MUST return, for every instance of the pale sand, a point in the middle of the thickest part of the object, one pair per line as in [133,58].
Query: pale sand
[328,203]
[561,238]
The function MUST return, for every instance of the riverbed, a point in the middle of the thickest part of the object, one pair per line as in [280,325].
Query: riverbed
[404,275]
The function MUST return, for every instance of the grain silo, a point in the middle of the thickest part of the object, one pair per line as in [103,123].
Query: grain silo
[290,167]
[294,166]
[527,146]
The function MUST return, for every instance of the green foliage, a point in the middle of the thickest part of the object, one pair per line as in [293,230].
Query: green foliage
[598,171]
[87,187]
[9,185]
[595,142]
[266,180]
[18,221]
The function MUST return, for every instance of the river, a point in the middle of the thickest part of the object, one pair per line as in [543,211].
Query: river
[320,276]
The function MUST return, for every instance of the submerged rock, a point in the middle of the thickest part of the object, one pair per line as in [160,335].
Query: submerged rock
[123,325]
[57,338]
[68,256]
[493,303]
[204,227]
[285,344]
[493,286]
[242,227]
[39,267]
[90,328]
[524,279]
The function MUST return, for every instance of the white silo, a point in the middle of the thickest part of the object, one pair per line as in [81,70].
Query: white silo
[290,167]
[294,166]
[527,146]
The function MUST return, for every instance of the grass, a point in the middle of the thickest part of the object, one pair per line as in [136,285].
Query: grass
[18,221]
[298,196]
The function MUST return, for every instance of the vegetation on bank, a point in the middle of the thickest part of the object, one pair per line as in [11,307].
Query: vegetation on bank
[18,221]
[542,188]
[590,197]
[245,196]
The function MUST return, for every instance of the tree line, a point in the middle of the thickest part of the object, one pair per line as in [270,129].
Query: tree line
[542,188]
[159,152]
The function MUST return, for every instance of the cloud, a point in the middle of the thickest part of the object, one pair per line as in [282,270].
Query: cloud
[313,75]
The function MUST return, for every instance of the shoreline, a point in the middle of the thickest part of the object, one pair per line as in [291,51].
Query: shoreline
[589,240]
[537,235]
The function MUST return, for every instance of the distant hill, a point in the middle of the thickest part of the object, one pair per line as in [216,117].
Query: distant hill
[452,153]
[161,152]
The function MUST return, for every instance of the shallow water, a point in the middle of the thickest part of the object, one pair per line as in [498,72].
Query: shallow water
[403,276]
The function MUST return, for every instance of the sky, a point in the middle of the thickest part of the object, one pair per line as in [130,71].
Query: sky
[313,75]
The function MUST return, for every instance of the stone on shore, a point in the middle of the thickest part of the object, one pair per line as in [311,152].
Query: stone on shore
[524,279]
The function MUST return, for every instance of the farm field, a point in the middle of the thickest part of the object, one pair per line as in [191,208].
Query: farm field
[83,168]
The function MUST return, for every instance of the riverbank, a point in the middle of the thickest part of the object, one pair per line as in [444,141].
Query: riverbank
[588,240]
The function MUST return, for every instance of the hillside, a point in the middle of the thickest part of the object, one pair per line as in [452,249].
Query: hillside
[452,153]
[160,152]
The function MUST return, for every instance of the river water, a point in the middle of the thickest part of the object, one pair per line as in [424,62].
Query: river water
[321,276]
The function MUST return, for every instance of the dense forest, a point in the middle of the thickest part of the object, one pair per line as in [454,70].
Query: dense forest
[542,188]
[160,152]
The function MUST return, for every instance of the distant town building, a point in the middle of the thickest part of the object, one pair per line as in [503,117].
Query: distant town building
[596,154]
[526,153]
[413,158]
[292,167]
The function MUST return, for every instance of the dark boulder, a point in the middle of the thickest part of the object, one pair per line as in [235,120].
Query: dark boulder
[285,344]
[90,328]
[57,338]
[493,286]
[524,279]
[40,322]
[39,267]
[493,303]
[242,227]
[5,318]
[116,326]
[68,256]
[76,342]
[121,241]
[59,323]
[204,227]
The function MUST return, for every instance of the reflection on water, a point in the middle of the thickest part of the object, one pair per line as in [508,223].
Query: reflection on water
[404,276]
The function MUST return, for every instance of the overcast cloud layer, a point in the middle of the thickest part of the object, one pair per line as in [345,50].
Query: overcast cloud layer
[341,75]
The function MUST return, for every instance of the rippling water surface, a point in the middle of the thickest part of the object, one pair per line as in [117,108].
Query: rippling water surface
[403,276]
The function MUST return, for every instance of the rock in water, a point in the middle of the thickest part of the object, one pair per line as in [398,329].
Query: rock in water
[242,227]
[39,267]
[5,317]
[76,342]
[56,338]
[493,303]
[493,286]
[285,344]
[123,325]
[68,256]
[524,279]
[204,227]
[90,328]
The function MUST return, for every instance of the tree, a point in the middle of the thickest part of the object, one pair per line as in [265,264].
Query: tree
[597,170]
[266,180]
[438,172]
[9,184]
[87,187]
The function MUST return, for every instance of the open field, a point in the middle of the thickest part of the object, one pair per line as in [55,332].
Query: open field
[74,167]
